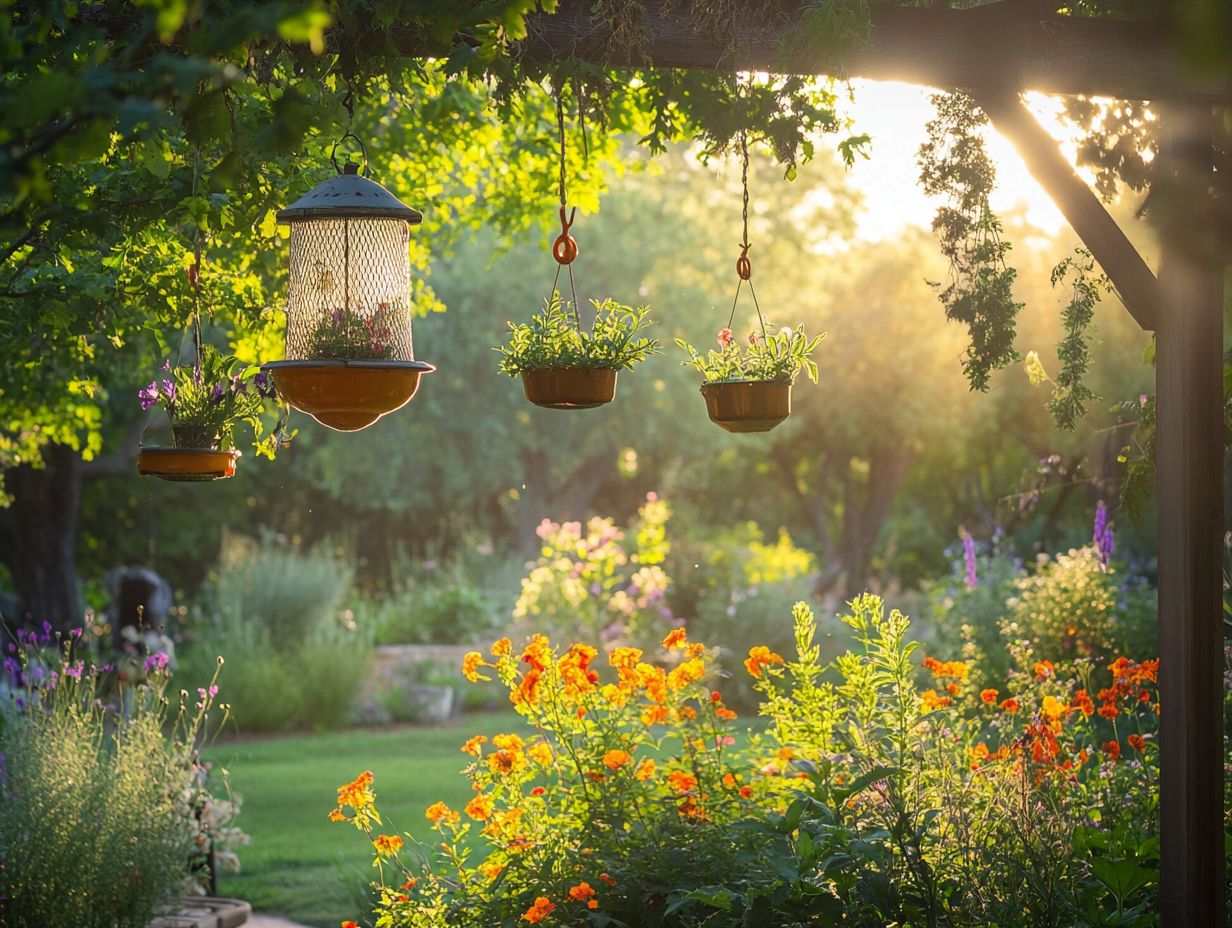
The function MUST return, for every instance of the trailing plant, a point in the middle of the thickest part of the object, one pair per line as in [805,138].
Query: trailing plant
[954,164]
[208,400]
[347,335]
[1070,393]
[775,358]
[554,338]
[103,803]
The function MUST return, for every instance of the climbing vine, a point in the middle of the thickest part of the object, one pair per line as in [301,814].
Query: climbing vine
[1070,392]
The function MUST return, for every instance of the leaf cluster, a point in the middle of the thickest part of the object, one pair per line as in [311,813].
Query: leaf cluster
[347,335]
[555,338]
[776,358]
[1070,392]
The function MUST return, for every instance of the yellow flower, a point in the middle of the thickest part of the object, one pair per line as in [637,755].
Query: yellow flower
[501,648]
[471,662]
[472,745]
[508,742]
[541,753]
[1034,368]
[645,770]
[759,658]
[688,672]
[624,658]
[358,793]
[675,638]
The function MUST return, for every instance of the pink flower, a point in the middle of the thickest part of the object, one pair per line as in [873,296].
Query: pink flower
[752,338]
[725,337]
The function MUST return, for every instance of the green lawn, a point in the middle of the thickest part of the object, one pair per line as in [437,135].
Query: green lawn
[307,868]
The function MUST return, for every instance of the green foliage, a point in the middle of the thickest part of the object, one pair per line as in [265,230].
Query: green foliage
[436,613]
[348,335]
[777,357]
[208,401]
[97,795]
[1071,393]
[555,338]
[293,658]
[954,164]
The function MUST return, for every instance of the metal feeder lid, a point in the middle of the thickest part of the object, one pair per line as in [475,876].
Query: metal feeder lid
[349,196]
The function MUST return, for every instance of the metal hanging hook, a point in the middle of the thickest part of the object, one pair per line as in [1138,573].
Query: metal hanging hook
[333,151]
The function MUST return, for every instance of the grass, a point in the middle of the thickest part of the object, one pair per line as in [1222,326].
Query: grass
[309,869]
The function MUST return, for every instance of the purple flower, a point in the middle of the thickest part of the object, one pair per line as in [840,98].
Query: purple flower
[1105,540]
[216,394]
[46,636]
[968,543]
[148,395]
[168,389]
[167,364]
[157,661]
[74,669]
[264,385]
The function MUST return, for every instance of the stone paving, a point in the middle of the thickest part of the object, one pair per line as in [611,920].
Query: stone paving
[257,920]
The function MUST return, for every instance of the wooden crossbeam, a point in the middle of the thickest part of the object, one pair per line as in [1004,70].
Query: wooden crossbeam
[1003,44]
[1134,281]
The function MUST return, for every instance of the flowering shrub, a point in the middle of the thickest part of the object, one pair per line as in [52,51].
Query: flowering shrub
[776,358]
[205,402]
[555,338]
[883,789]
[102,804]
[598,581]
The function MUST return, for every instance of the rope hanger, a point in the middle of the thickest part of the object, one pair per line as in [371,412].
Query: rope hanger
[744,266]
[565,248]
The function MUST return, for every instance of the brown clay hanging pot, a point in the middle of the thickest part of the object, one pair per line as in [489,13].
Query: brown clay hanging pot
[570,387]
[347,395]
[748,405]
[194,458]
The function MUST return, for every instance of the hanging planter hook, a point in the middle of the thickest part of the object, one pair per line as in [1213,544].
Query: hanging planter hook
[565,249]
[363,151]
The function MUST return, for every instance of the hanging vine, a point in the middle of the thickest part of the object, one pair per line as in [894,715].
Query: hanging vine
[1070,393]
[955,164]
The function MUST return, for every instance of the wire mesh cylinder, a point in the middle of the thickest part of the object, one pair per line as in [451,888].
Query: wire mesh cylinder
[349,290]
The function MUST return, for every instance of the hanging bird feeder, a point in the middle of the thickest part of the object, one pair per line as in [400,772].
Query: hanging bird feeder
[349,354]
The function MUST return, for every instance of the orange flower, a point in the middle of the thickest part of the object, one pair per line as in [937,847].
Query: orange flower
[438,812]
[350,924]
[746,792]
[358,793]
[1082,702]
[501,647]
[687,712]
[931,701]
[988,696]
[614,760]
[472,745]
[387,845]
[1137,742]
[645,770]
[1108,710]
[538,791]
[688,672]
[681,782]
[607,878]
[1112,749]
[471,662]
[542,908]
[410,883]
[1010,704]
[953,689]
[624,658]
[1044,670]
[725,713]
[479,808]
[655,715]
[581,892]
[675,638]
[956,669]
[491,870]
[759,658]
[336,816]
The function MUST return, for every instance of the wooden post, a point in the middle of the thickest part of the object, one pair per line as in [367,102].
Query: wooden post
[1189,458]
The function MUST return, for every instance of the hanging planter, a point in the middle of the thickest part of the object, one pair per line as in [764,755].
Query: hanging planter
[349,352]
[749,390]
[564,365]
[204,401]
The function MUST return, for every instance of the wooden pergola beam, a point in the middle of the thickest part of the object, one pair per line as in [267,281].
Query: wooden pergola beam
[1134,281]
[1003,44]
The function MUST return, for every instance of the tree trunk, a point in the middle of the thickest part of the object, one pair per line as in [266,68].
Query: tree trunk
[43,524]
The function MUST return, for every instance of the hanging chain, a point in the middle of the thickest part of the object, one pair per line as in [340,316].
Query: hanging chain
[194,272]
[744,267]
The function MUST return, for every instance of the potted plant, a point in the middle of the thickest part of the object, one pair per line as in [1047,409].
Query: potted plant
[749,389]
[204,403]
[563,366]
